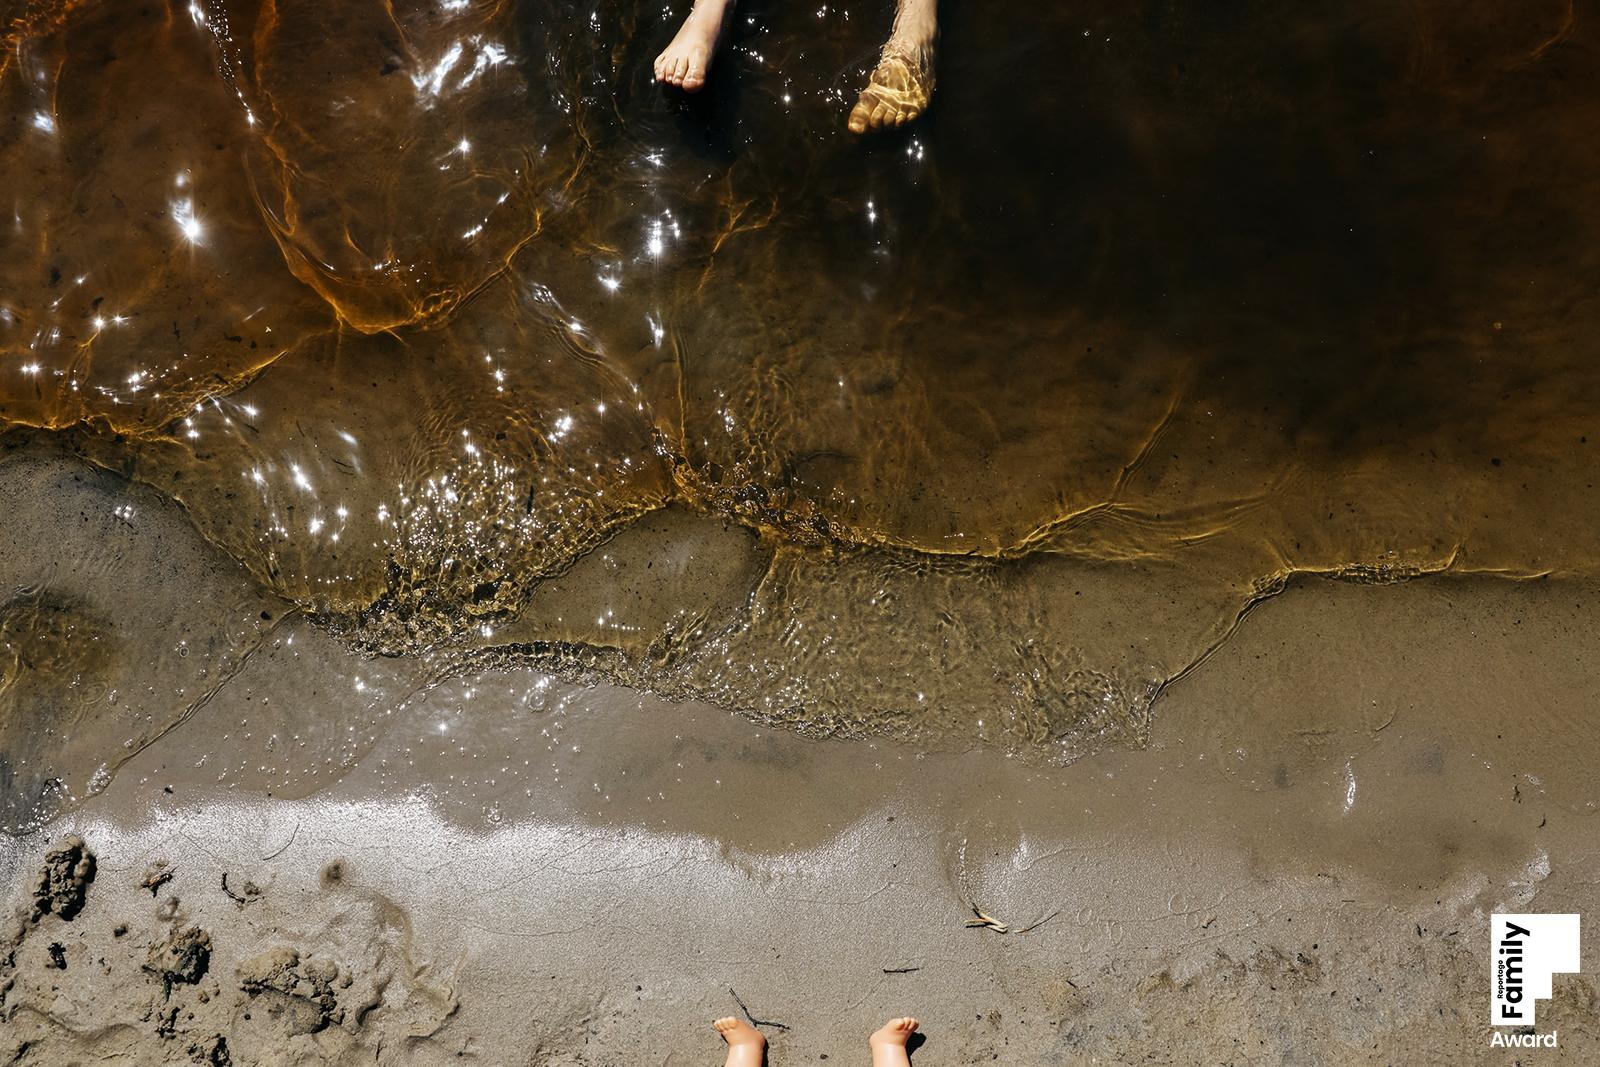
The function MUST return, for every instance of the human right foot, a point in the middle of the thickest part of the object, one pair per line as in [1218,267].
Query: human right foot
[685,61]
[745,1043]
[901,86]
[888,1043]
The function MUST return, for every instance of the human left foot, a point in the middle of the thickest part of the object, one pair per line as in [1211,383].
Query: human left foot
[745,1043]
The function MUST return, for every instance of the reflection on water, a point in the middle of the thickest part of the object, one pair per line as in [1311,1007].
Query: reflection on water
[413,305]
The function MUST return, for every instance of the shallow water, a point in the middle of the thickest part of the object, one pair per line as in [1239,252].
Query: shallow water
[985,430]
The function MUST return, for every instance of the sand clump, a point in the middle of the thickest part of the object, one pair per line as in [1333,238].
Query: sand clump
[301,991]
[183,957]
[197,980]
[64,879]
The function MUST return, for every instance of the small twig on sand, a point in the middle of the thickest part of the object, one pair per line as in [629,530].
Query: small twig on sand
[988,921]
[157,875]
[286,844]
[1041,922]
[251,892]
[753,1020]
[900,970]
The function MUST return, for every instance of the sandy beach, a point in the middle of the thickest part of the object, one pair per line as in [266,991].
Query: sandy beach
[1299,867]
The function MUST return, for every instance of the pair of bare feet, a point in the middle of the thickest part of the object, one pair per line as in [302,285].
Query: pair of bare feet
[900,87]
[746,1045]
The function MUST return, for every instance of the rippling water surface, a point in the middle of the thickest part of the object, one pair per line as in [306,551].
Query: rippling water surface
[449,326]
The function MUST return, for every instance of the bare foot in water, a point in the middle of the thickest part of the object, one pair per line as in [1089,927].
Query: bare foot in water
[888,1043]
[685,61]
[902,84]
[745,1043]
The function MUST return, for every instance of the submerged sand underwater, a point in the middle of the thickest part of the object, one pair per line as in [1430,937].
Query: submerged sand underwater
[654,546]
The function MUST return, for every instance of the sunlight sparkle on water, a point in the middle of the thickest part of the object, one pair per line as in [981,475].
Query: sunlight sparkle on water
[432,81]
[188,223]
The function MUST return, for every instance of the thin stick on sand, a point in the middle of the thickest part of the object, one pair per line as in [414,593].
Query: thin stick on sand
[758,1023]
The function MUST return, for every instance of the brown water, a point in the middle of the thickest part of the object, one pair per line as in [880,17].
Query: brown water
[985,430]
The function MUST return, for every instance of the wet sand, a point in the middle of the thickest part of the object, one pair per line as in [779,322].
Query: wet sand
[522,869]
